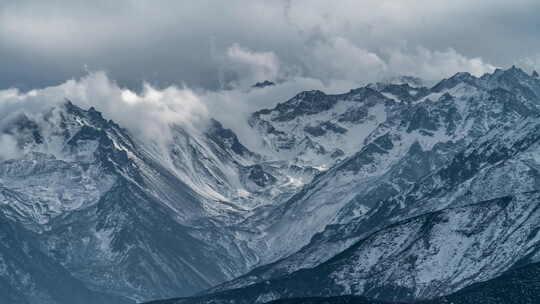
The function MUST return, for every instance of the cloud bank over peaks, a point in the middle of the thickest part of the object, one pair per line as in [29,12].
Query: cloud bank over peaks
[335,65]
[339,60]
[531,63]
[147,114]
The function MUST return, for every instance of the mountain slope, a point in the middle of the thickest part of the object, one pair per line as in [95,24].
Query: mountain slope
[29,276]
[501,164]
[425,256]
[423,135]
[114,216]
[354,194]
[516,286]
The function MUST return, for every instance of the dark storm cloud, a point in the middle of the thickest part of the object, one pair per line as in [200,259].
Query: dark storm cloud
[212,44]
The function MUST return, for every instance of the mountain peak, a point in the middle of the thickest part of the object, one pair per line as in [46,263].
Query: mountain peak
[412,81]
[70,106]
[461,77]
[263,84]
[92,114]
[310,95]
[512,71]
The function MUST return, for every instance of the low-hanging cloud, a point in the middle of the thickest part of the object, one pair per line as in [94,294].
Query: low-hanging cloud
[147,114]
[531,62]
[431,65]
[339,58]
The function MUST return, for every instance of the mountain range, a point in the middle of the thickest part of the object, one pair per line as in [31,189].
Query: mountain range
[389,193]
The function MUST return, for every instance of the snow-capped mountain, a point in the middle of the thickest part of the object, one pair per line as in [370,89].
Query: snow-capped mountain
[114,215]
[468,218]
[482,109]
[422,257]
[419,134]
[27,275]
[135,218]
[519,285]
[394,191]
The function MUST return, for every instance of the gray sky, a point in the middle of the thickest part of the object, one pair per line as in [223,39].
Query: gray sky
[215,44]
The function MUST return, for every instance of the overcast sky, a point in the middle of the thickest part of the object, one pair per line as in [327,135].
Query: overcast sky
[215,44]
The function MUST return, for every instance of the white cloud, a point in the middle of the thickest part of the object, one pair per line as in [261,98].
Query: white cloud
[531,63]
[251,66]
[434,65]
[340,59]
[147,115]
